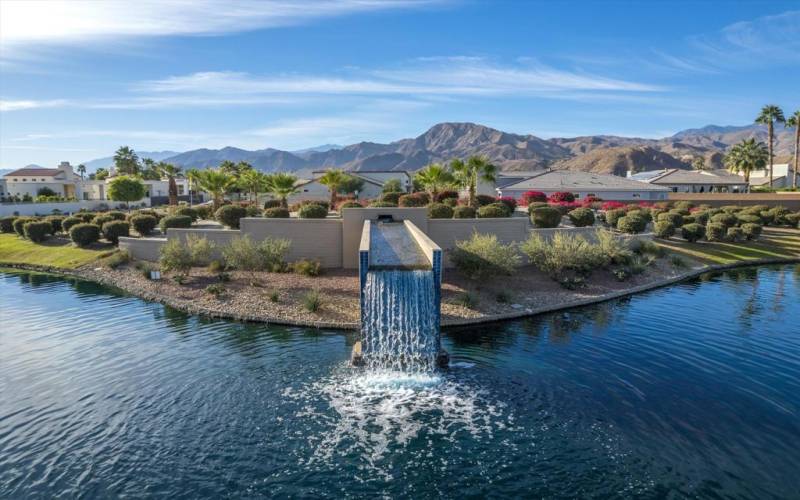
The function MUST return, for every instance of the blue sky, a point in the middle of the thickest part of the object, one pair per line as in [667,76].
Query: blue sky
[78,79]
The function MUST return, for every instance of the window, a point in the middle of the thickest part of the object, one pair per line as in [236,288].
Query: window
[637,195]
[43,180]
[24,180]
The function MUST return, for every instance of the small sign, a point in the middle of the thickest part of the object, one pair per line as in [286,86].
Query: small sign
[155,275]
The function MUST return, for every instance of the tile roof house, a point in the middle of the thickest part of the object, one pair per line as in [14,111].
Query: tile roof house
[583,184]
[694,181]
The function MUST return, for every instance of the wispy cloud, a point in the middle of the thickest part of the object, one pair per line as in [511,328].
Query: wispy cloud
[765,39]
[17,105]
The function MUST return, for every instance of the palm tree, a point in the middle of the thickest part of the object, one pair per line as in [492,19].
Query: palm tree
[216,183]
[746,157]
[794,122]
[192,176]
[82,170]
[126,161]
[253,182]
[169,171]
[282,185]
[467,174]
[434,177]
[769,115]
[333,178]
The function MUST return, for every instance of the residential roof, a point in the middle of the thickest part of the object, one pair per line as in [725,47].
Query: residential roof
[764,181]
[678,176]
[568,180]
[34,172]
[354,174]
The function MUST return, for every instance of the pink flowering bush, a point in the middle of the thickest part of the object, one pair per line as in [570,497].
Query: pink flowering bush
[612,205]
[560,196]
[529,197]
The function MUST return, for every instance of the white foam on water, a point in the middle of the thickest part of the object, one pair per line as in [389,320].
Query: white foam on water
[462,364]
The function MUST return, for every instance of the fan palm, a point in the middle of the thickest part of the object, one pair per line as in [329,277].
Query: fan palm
[434,177]
[170,171]
[792,122]
[333,179]
[126,161]
[468,173]
[82,170]
[253,182]
[770,114]
[192,175]
[746,157]
[216,183]
[282,185]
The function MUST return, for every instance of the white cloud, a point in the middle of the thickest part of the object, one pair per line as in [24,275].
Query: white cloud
[9,105]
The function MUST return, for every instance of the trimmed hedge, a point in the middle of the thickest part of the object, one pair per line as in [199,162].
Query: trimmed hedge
[7,224]
[735,234]
[692,232]
[509,202]
[253,211]
[493,210]
[116,215]
[272,204]
[751,231]
[84,234]
[69,222]
[19,225]
[447,194]
[176,221]
[349,204]
[632,223]
[581,217]
[383,204]
[725,219]
[37,231]
[392,197]
[101,219]
[414,200]
[463,212]
[55,221]
[674,218]
[715,231]
[114,229]
[439,211]
[313,212]
[613,215]
[276,213]
[144,224]
[189,211]
[545,217]
[230,215]
[664,229]
[86,217]
[484,199]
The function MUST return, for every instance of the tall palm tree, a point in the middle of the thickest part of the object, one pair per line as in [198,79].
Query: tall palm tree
[770,114]
[333,178]
[794,122]
[746,157]
[192,176]
[282,185]
[434,177]
[82,170]
[468,173]
[253,182]
[216,183]
[170,171]
[126,161]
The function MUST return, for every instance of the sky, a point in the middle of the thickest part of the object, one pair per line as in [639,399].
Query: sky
[80,78]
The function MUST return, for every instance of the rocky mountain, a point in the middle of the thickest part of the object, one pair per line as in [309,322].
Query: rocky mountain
[619,159]
[108,161]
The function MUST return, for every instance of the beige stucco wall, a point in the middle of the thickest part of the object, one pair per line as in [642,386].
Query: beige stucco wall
[445,232]
[142,248]
[353,221]
[315,239]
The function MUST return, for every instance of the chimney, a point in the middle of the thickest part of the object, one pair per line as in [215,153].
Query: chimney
[65,167]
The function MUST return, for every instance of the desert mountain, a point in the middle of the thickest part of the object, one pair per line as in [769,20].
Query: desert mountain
[619,159]
[108,161]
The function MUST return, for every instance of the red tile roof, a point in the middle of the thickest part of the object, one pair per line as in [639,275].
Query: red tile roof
[34,172]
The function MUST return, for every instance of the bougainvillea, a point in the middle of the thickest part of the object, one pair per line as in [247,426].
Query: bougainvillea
[560,196]
[529,197]
[612,205]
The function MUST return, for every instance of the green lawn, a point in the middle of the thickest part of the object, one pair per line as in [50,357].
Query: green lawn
[53,253]
[774,243]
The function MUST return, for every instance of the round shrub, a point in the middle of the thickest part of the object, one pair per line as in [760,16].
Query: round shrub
[144,224]
[536,204]
[562,196]
[725,219]
[701,216]
[778,215]
[272,204]
[545,217]
[641,212]
[297,206]
[563,209]
[447,194]
[86,216]
[176,221]
[313,212]
[663,229]
[463,212]
[203,211]
[632,223]
[439,211]
[692,232]
[748,219]
[450,202]
[715,231]
[188,211]
[793,220]
[253,211]
[751,231]
[581,217]
[55,221]
[116,215]
[509,202]
[230,215]
[414,200]
[67,223]
[731,209]
[734,234]
[276,213]
[484,199]
[684,205]
[37,231]
[114,229]
[84,234]
[673,218]
[529,197]
[493,210]
[350,204]
[393,197]
[7,224]
[383,204]
[19,225]
[101,219]
[613,215]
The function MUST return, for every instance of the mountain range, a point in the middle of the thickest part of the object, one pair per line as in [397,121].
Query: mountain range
[510,152]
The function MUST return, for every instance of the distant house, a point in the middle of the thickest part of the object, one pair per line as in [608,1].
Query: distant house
[781,176]
[28,181]
[585,184]
[312,189]
[693,181]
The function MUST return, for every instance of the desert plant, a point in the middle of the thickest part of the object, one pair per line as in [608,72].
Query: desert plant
[230,215]
[101,219]
[175,256]
[349,204]
[483,256]
[493,210]
[69,222]
[7,224]
[725,219]
[734,234]
[85,216]
[276,213]
[383,204]
[632,223]
[253,211]
[612,249]
[313,212]
[84,234]
[114,229]
[564,257]
[463,212]
[663,229]
[678,261]
[581,217]
[439,211]
[116,215]
[175,221]
[117,259]
[55,221]
[307,267]
[674,218]
[19,225]
[508,201]
[391,197]
[612,216]
[715,231]
[447,194]
[419,199]
[274,296]
[37,231]
[273,204]
[545,217]
[751,231]
[692,232]
[188,211]
[215,289]
[216,266]
[144,224]
[246,255]
[312,301]
[200,249]
[466,299]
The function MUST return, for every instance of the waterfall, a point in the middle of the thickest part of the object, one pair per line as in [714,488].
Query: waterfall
[400,330]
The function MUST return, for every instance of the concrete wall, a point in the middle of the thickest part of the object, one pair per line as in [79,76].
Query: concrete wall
[315,239]
[142,248]
[789,200]
[445,232]
[353,221]
[47,208]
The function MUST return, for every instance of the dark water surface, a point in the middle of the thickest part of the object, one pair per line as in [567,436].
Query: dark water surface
[692,390]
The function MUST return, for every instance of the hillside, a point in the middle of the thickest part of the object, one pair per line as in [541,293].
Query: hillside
[618,160]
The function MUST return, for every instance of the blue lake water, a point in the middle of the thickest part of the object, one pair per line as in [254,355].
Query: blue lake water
[692,390]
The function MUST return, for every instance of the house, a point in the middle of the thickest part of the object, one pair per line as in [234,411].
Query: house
[27,182]
[693,181]
[781,176]
[585,184]
[312,189]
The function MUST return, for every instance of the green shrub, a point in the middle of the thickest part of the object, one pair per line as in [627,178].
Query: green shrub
[117,259]
[188,211]
[493,210]
[204,211]
[253,211]
[114,229]
[751,231]
[274,296]
[230,215]
[19,225]
[735,234]
[684,205]
[86,216]
[313,212]
[419,199]
[350,204]
[175,221]
[613,250]
[200,249]
[732,209]
[276,213]
[748,218]
[632,223]
[466,299]
[101,219]
[55,221]
[312,301]
[215,289]
[674,218]
[7,224]
[613,215]
[678,261]
[545,217]
[642,212]
[700,217]
[483,256]
[581,217]
[116,215]
[392,197]
[37,231]
[715,231]
[307,267]
[692,232]
[84,234]
[144,224]
[175,256]
[69,222]
[646,247]
[450,202]
[273,204]
[484,199]
[383,204]
[244,254]
[216,266]
[439,211]
[463,212]
[725,219]
[536,204]
[793,220]
[778,215]
[566,258]
[663,229]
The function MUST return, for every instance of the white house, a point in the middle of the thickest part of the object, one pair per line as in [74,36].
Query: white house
[693,181]
[781,176]
[312,189]
[28,181]
[585,184]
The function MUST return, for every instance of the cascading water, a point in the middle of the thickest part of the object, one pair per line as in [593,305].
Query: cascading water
[400,330]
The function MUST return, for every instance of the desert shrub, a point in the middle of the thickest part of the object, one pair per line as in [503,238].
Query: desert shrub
[632,223]
[215,289]
[493,210]
[175,256]
[562,208]
[266,255]
[646,247]
[200,249]
[715,231]
[350,204]
[297,206]
[612,249]
[272,204]
[663,229]
[116,215]
[725,219]
[484,199]
[117,259]
[778,216]
[101,219]
[793,220]
[674,218]
[692,232]
[276,213]
[734,234]
[230,215]
[419,199]
[447,194]
[307,267]
[748,218]
[465,299]
[312,212]
[69,222]
[439,211]
[216,266]
[253,211]
[114,229]
[613,215]
[187,211]
[642,212]
[529,197]
[37,231]
[383,204]
[175,221]
[84,234]
[451,202]
[274,296]
[684,205]
[85,216]
[678,261]
[509,202]
[7,224]
[560,196]
[144,224]
[751,231]
[483,256]
[55,221]
[463,212]
[391,197]
[581,217]
[545,217]
[204,211]
[566,258]
[732,209]
[312,301]
[19,225]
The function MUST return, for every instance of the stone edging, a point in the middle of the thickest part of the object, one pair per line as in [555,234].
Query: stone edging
[88,275]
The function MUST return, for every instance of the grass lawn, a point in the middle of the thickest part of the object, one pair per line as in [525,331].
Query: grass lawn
[775,243]
[53,252]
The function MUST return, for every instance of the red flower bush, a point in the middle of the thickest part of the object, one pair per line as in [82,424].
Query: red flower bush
[560,196]
[590,200]
[612,205]
[567,204]
[508,201]
[529,197]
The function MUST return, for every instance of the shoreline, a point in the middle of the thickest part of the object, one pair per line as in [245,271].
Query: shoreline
[105,279]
